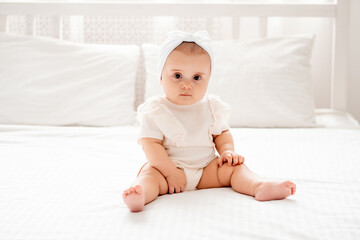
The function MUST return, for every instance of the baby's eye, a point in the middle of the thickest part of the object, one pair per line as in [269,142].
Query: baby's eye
[196,77]
[177,75]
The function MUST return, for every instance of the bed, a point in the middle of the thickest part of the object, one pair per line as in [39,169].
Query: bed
[63,171]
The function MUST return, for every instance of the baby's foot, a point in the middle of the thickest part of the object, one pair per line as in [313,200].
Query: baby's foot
[274,190]
[134,198]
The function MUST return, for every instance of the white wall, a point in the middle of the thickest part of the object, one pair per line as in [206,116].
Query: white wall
[354,76]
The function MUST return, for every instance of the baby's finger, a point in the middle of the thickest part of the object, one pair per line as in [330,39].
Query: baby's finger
[229,159]
[171,189]
[220,161]
[223,160]
[242,159]
[235,160]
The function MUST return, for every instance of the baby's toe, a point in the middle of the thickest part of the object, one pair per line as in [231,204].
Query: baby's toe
[138,189]
[128,191]
[291,186]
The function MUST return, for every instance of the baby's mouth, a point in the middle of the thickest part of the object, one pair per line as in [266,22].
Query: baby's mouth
[185,95]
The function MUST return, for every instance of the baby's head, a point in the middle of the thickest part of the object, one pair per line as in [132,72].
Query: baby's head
[186,68]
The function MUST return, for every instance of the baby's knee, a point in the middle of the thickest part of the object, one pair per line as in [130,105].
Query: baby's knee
[151,174]
[225,173]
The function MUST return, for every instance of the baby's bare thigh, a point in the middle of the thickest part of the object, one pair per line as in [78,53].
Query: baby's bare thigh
[214,176]
[149,173]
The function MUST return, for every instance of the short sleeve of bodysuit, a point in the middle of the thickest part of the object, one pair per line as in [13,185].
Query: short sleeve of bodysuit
[148,128]
[221,112]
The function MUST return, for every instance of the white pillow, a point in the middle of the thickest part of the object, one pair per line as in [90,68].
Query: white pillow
[45,81]
[267,82]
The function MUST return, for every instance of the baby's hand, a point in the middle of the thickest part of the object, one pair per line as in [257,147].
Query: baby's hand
[176,181]
[231,157]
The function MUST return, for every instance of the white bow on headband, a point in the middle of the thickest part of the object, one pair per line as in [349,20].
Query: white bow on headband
[201,36]
[175,38]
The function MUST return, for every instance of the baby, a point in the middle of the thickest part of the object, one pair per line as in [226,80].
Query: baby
[180,131]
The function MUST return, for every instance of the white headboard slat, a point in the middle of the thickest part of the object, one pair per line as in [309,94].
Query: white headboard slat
[235,27]
[30,25]
[4,26]
[263,27]
[57,27]
[340,61]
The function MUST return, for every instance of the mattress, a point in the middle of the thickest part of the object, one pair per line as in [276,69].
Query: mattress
[67,183]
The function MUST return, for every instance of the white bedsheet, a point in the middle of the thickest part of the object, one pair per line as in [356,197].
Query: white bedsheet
[66,183]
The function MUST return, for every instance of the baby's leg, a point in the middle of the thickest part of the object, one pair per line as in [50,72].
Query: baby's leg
[244,181]
[149,184]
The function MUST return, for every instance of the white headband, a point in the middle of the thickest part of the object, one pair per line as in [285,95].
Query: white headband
[175,38]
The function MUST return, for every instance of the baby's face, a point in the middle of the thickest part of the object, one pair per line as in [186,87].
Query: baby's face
[185,77]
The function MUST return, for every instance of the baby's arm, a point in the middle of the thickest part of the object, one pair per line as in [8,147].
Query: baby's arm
[159,159]
[224,144]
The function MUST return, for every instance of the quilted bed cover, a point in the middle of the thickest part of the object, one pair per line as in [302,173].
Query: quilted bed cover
[66,183]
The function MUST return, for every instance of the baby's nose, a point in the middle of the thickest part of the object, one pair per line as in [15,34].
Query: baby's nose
[186,85]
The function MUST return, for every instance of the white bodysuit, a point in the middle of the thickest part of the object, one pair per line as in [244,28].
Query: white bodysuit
[187,131]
